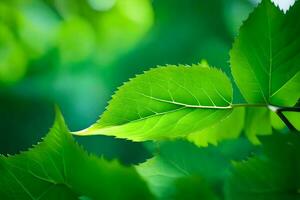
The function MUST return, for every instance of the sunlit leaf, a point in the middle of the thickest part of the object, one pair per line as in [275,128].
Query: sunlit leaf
[228,128]
[166,102]
[257,122]
[294,118]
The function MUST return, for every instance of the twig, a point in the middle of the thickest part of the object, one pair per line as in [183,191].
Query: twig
[279,111]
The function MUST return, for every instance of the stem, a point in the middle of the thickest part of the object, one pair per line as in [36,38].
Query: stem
[290,109]
[248,105]
[286,121]
[279,111]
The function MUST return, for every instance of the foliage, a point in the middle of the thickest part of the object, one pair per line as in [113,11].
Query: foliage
[21,23]
[274,175]
[201,95]
[170,165]
[58,168]
[264,56]
[230,159]
[163,102]
[82,88]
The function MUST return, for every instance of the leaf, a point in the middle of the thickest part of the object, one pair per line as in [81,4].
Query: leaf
[228,128]
[257,122]
[274,176]
[179,159]
[265,56]
[166,102]
[293,117]
[193,188]
[57,168]
[289,93]
[276,122]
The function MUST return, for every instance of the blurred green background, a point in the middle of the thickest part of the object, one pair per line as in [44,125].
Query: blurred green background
[75,53]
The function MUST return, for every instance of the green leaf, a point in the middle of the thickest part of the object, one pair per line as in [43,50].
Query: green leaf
[57,168]
[228,128]
[180,159]
[166,102]
[293,117]
[276,122]
[274,176]
[265,56]
[193,188]
[257,122]
[289,93]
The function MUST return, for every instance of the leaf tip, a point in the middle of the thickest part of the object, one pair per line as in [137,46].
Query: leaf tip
[59,119]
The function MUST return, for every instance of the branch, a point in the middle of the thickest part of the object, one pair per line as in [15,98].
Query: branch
[279,111]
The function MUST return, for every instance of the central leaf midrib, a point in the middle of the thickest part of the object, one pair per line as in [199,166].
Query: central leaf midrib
[270,53]
[184,104]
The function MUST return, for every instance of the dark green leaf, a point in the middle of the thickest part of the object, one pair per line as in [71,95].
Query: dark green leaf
[193,188]
[265,56]
[273,176]
[57,168]
[179,159]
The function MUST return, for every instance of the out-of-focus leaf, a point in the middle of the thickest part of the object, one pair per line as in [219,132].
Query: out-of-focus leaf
[38,27]
[235,12]
[58,168]
[179,159]
[272,176]
[77,39]
[12,58]
[122,27]
[118,25]
[193,188]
